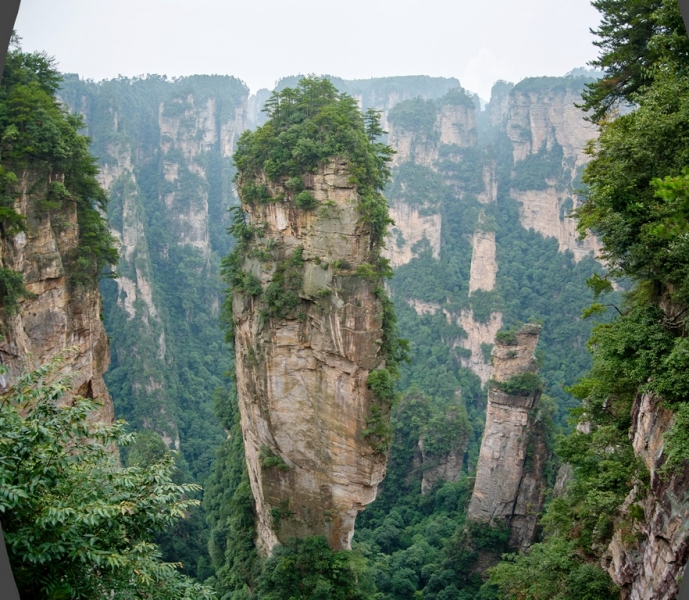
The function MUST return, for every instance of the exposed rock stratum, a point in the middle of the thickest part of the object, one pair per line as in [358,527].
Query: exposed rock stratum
[301,378]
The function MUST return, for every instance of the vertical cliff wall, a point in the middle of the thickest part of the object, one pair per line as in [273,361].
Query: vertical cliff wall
[548,135]
[509,483]
[165,153]
[649,551]
[301,375]
[60,314]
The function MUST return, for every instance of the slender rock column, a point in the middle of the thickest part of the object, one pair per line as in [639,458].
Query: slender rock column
[509,483]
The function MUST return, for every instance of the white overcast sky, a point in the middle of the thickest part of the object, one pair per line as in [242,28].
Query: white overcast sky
[260,41]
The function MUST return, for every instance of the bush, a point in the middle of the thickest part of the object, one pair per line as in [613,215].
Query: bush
[309,570]
[305,200]
[523,384]
[76,525]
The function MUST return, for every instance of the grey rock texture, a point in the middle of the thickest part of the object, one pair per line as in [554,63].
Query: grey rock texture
[301,380]
[509,483]
[61,319]
[647,557]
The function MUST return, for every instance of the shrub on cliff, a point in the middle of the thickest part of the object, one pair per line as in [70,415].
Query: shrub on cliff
[309,570]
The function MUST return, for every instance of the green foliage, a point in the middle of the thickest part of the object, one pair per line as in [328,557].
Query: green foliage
[415,115]
[551,570]
[632,212]
[309,570]
[12,222]
[229,507]
[506,337]
[305,200]
[639,41]
[253,193]
[37,133]
[416,185]
[269,459]
[76,525]
[538,171]
[308,125]
[523,384]
[382,385]
[12,289]
[281,295]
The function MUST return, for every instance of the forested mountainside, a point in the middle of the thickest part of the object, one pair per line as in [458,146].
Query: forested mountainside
[465,261]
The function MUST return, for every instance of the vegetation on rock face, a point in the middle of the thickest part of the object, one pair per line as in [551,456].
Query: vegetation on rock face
[39,141]
[77,525]
[308,125]
[523,384]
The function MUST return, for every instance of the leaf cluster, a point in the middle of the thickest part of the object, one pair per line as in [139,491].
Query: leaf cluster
[76,524]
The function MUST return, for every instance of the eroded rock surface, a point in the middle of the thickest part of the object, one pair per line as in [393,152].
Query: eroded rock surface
[484,266]
[647,557]
[301,379]
[410,227]
[479,336]
[509,482]
[61,315]
[543,118]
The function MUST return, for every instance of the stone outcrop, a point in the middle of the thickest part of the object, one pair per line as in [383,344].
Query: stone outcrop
[546,212]
[489,195]
[509,483]
[446,466]
[60,319]
[542,113]
[478,336]
[455,123]
[385,93]
[306,410]
[648,554]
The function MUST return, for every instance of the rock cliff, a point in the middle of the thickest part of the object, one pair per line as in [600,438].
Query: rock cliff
[509,483]
[165,149]
[548,134]
[447,464]
[59,315]
[306,410]
[649,551]
[450,120]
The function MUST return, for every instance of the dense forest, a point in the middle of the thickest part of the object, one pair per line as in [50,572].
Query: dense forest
[171,514]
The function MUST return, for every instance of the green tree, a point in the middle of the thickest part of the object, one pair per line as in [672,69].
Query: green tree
[76,524]
[309,570]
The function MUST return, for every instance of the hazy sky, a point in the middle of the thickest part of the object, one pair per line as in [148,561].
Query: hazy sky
[260,41]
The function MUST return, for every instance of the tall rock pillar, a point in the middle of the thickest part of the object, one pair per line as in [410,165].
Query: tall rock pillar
[305,344]
[509,483]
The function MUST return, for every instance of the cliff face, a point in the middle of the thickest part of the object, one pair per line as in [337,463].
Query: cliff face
[541,117]
[647,556]
[410,228]
[60,315]
[509,483]
[447,464]
[454,123]
[301,378]
[165,154]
